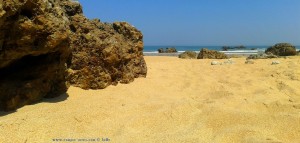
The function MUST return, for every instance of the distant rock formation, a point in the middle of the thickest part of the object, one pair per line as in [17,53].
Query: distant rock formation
[211,54]
[226,48]
[44,43]
[282,49]
[167,50]
[102,53]
[34,49]
[188,55]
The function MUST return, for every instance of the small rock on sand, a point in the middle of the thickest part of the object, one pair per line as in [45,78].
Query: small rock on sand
[249,61]
[229,62]
[275,62]
[215,63]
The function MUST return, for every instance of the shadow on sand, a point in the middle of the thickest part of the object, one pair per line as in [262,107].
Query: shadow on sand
[60,98]
[4,113]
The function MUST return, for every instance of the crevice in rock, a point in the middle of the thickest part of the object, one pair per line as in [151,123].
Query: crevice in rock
[27,13]
[2,44]
[19,70]
[13,17]
[72,27]
[30,9]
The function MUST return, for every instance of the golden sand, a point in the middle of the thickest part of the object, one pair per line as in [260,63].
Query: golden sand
[180,101]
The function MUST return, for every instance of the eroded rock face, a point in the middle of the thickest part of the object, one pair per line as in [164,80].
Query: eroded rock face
[211,54]
[103,54]
[282,49]
[44,43]
[34,49]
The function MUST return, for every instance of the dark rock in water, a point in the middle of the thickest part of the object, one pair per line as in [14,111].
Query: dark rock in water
[161,50]
[34,49]
[167,50]
[211,54]
[282,49]
[103,54]
[188,55]
[226,48]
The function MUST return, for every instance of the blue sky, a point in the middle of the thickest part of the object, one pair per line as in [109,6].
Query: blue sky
[204,22]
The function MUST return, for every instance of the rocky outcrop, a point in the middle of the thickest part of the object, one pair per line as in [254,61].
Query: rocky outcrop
[188,55]
[44,43]
[282,49]
[167,50]
[34,49]
[103,54]
[211,54]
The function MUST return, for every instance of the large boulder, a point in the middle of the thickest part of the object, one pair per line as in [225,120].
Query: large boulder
[103,54]
[188,55]
[282,49]
[44,43]
[211,54]
[34,50]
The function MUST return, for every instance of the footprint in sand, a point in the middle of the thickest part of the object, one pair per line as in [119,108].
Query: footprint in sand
[283,86]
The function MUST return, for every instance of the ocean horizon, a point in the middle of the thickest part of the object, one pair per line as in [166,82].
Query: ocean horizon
[180,49]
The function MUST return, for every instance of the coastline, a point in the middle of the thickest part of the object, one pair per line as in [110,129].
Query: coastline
[153,50]
[229,53]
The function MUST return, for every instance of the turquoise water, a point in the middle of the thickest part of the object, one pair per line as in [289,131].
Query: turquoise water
[150,49]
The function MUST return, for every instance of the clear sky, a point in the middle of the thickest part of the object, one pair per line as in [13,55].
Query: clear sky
[204,22]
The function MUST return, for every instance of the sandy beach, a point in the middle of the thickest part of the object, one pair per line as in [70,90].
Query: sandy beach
[186,101]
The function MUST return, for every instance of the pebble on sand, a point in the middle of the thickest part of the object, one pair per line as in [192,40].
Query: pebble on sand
[249,61]
[275,62]
[215,63]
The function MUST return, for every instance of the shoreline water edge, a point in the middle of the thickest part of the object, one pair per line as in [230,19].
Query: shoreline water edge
[249,50]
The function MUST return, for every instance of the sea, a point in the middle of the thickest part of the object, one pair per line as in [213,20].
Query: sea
[248,50]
